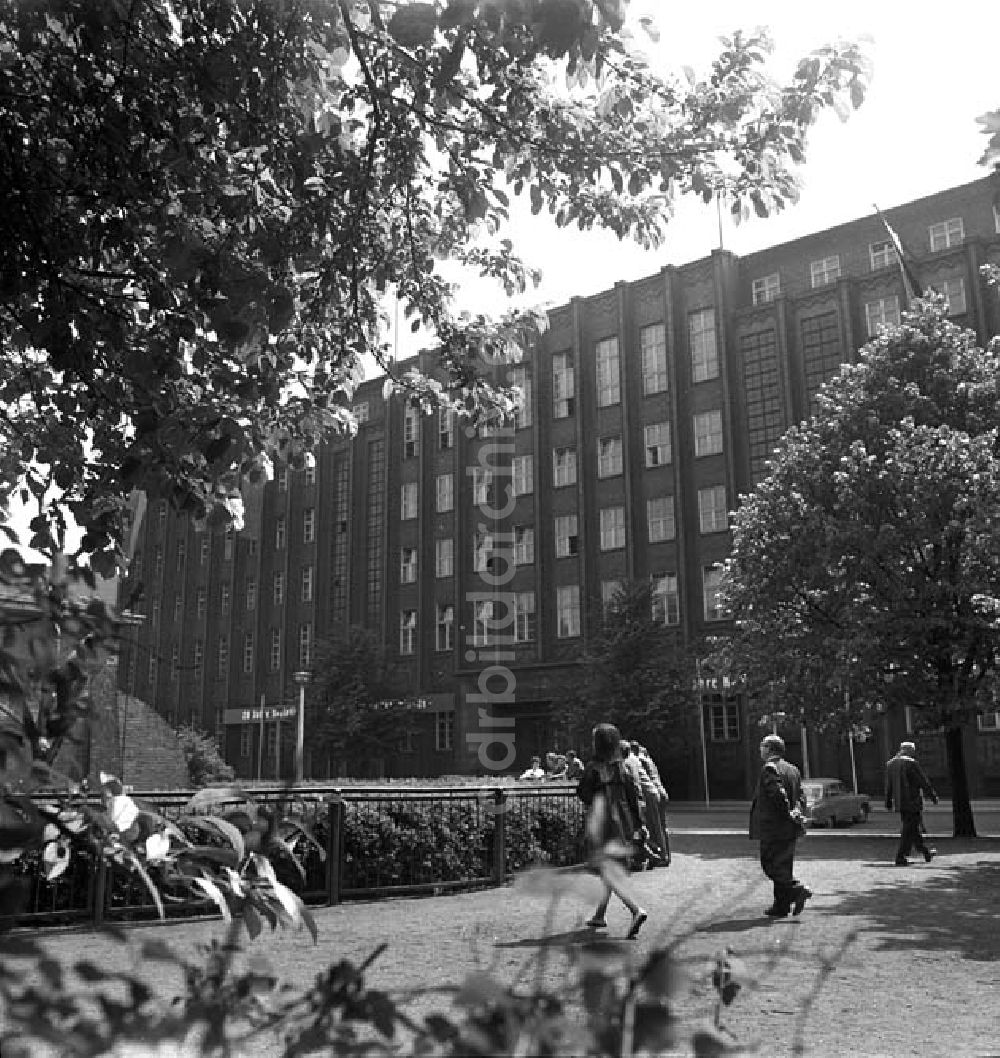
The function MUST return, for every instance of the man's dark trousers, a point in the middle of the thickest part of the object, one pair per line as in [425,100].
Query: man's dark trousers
[777,859]
[910,836]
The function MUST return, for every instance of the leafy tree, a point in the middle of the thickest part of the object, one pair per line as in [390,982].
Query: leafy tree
[635,672]
[356,703]
[205,203]
[204,761]
[865,566]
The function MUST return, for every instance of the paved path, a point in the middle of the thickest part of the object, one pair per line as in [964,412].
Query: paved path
[883,962]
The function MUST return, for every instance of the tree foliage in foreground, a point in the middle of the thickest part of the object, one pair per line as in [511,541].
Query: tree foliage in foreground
[205,203]
[356,702]
[868,560]
[635,673]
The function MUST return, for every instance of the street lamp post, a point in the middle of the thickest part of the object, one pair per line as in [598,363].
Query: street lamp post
[301,678]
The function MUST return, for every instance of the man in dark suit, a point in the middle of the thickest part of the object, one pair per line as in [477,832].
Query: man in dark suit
[777,804]
[905,786]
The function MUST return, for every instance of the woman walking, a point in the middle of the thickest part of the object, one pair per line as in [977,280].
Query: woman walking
[614,822]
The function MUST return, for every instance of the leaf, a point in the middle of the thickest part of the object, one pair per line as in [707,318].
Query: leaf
[55,860]
[225,829]
[213,796]
[214,893]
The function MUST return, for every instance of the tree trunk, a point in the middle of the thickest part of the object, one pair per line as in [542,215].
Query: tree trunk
[961,806]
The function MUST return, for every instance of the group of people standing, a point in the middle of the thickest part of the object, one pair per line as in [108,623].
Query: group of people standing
[626,818]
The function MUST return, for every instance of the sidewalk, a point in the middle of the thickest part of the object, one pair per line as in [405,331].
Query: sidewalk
[883,962]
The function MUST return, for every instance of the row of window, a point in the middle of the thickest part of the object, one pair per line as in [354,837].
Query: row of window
[884,312]
[882,254]
[513,619]
[708,440]
[304,654]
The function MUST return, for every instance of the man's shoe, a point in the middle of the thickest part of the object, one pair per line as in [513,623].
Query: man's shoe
[802,894]
[929,855]
[637,920]
[902,863]
[597,923]
[776,912]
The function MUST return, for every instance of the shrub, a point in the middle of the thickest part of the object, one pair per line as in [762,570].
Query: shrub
[205,763]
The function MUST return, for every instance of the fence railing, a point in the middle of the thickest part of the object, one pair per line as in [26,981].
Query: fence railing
[377,841]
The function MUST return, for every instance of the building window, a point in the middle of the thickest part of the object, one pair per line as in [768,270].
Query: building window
[309,525]
[279,534]
[482,549]
[161,515]
[307,584]
[563,386]
[610,595]
[151,672]
[408,565]
[567,541]
[883,312]
[704,348]
[519,377]
[305,646]
[954,291]
[158,561]
[824,271]
[444,557]
[609,457]
[222,658]
[656,441]
[666,603]
[522,476]
[724,718]
[274,655]
[224,599]
[446,428]
[996,218]
[199,658]
[711,592]
[766,289]
[947,233]
[251,593]
[361,411]
[482,622]
[653,343]
[609,389]
[279,588]
[201,602]
[227,546]
[563,466]
[411,432]
[310,470]
[568,611]
[444,731]
[181,555]
[407,631]
[246,740]
[524,617]
[408,500]
[524,545]
[708,433]
[712,514]
[482,480]
[283,480]
[248,652]
[882,255]
[445,636]
[204,549]
[154,618]
[660,519]
[989,721]
[178,608]
[444,489]
[612,528]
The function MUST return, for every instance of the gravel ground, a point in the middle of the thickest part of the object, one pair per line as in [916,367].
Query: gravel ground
[884,961]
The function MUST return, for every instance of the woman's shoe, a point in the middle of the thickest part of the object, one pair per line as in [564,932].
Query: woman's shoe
[597,923]
[637,920]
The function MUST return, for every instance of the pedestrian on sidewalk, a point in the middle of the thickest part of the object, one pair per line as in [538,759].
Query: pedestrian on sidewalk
[906,783]
[656,803]
[776,816]
[651,854]
[614,823]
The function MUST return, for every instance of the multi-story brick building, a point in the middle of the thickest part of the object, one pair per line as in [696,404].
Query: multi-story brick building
[649,408]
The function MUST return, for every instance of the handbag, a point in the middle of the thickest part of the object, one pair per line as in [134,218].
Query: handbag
[801,823]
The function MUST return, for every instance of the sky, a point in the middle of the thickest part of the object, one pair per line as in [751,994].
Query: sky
[915,134]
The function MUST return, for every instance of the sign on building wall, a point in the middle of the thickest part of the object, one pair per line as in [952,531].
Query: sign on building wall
[253,715]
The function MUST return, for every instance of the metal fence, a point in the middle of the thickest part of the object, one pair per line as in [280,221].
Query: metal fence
[377,842]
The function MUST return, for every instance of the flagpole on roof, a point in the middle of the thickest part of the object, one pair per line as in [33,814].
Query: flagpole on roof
[911,283]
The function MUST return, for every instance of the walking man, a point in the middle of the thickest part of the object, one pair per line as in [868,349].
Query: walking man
[778,805]
[905,786]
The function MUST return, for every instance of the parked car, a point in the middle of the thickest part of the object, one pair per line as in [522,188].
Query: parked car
[829,802]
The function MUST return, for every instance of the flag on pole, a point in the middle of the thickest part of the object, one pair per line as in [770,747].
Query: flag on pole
[911,283]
